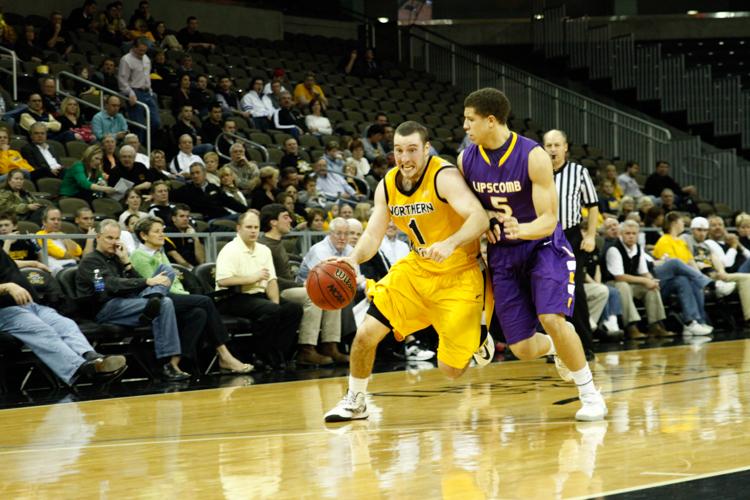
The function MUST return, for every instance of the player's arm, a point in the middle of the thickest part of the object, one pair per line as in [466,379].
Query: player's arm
[452,187]
[544,196]
[369,242]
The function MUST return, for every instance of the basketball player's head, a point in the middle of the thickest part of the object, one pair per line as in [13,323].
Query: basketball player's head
[411,149]
[556,146]
[486,114]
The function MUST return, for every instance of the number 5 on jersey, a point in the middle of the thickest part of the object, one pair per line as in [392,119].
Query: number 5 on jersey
[499,203]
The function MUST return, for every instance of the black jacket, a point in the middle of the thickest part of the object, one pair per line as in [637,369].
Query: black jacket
[118,282]
[211,202]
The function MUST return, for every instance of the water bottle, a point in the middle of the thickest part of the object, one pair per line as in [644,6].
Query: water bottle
[98,281]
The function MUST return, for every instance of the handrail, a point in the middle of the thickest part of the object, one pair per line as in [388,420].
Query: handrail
[109,91]
[14,73]
[253,144]
[714,162]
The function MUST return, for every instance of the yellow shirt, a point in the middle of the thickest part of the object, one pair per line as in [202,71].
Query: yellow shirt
[237,260]
[672,247]
[56,248]
[11,159]
[301,91]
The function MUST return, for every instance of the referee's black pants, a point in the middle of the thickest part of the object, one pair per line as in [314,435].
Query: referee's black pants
[580,317]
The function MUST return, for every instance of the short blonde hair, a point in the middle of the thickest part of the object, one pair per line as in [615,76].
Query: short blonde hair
[742,219]
[210,154]
[67,101]
[268,172]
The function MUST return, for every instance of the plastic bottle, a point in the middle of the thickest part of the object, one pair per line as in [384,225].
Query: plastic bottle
[98,281]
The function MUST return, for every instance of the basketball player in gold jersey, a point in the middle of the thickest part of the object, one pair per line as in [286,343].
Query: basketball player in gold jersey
[439,283]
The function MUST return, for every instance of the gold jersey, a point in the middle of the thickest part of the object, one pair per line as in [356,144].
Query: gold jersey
[427,218]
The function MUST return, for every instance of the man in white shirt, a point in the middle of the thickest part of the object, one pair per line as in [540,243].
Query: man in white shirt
[247,264]
[628,182]
[734,256]
[336,244]
[393,248]
[625,268]
[132,140]
[180,164]
[258,105]
[134,80]
[38,154]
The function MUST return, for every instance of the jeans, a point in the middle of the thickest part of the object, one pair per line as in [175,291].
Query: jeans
[614,304]
[126,311]
[55,339]
[687,283]
[138,114]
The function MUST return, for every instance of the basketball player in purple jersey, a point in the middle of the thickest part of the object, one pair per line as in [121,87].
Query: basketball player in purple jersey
[530,262]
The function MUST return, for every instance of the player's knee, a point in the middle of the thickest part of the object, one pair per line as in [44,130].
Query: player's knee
[524,350]
[553,323]
[367,337]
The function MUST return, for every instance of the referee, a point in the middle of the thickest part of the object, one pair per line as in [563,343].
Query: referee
[574,191]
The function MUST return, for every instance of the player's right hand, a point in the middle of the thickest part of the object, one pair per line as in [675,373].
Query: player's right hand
[346,260]
[510,226]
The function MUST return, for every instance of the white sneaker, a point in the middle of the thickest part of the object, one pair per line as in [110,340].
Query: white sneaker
[413,352]
[724,288]
[593,407]
[351,407]
[562,369]
[695,328]
[486,351]
[610,324]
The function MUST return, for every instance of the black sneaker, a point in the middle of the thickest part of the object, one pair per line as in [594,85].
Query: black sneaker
[172,374]
[151,311]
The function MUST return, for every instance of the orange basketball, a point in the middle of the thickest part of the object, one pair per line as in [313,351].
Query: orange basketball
[331,285]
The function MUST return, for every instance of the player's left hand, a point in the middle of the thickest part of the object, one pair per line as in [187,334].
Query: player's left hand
[438,251]
[511,228]
[588,244]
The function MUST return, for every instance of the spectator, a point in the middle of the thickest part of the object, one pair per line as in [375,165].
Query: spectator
[228,99]
[55,339]
[287,119]
[107,74]
[184,126]
[335,245]
[133,202]
[610,174]
[39,155]
[259,106]
[143,12]
[608,203]
[645,203]
[315,224]
[666,201]
[160,206]
[147,260]
[35,112]
[165,40]
[183,95]
[84,178]
[110,120]
[70,121]
[211,160]
[83,89]
[308,91]
[266,192]
[387,142]
[654,220]
[357,183]
[332,186]
[180,164]
[276,223]
[310,197]
[206,198]
[212,125]
[124,301]
[227,139]
[163,75]
[51,100]
[316,122]
[140,30]
[603,301]
[277,76]
[372,145]
[16,200]
[84,219]
[10,159]
[246,263]
[661,180]
[190,38]
[392,248]
[289,178]
[128,169]
[187,251]
[743,229]
[55,37]
[134,80]
[81,18]
[109,155]
[24,252]
[228,184]
[377,171]
[127,236]
[291,156]
[203,97]
[275,88]
[133,141]
[288,200]
[61,252]
[158,167]
[114,30]
[627,206]
[358,158]
[734,256]
[626,269]
[26,47]
[334,158]
[248,174]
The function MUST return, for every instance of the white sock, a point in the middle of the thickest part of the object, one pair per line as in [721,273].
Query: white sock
[584,380]
[552,351]
[358,384]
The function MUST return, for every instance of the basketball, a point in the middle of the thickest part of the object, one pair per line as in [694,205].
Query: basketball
[331,285]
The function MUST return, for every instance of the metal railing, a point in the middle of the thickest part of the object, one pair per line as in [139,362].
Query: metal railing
[244,140]
[12,72]
[103,92]
[585,120]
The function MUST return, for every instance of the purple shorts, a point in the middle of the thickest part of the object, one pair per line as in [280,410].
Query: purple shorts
[531,278]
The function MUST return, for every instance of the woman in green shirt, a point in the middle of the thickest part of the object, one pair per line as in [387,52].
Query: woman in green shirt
[84,178]
[195,313]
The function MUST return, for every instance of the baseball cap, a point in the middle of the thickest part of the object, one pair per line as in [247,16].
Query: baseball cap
[699,223]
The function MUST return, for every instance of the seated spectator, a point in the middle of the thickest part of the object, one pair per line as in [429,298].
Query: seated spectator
[608,203]
[160,206]
[661,180]
[349,61]
[361,164]
[190,38]
[185,126]
[228,184]
[128,169]
[71,121]
[387,142]
[316,221]
[54,36]
[287,119]
[109,155]
[377,171]
[310,197]
[183,95]
[298,215]
[51,100]
[654,220]
[180,164]
[258,105]
[158,166]
[334,245]
[107,74]
[372,145]
[55,339]
[133,141]
[609,173]
[143,12]
[627,180]
[276,223]
[315,121]
[147,260]
[357,184]
[667,201]
[266,192]
[626,269]
[163,75]
[644,205]
[127,236]
[187,251]
[164,39]
[39,155]
[141,31]
[248,174]
[734,256]
[211,160]
[291,156]
[308,91]
[84,220]
[24,252]
[289,177]
[227,139]
[333,186]
[81,18]
[114,30]
[206,198]
[273,91]
[61,252]
[203,96]
[124,301]
[362,65]
[743,229]
[627,206]
[110,120]
[16,200]
[392,248]
[603,300]
[35,113]
[212,125]
[26,47]
[334,158]
[84,178]
[10,159]
[133,202]
[227,97]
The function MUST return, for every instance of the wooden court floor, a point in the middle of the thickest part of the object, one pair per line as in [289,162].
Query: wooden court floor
[505,431]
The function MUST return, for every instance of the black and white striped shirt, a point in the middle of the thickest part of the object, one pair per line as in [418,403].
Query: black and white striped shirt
[574,191]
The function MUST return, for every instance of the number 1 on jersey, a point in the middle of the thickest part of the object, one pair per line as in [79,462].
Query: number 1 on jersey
[415,229]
